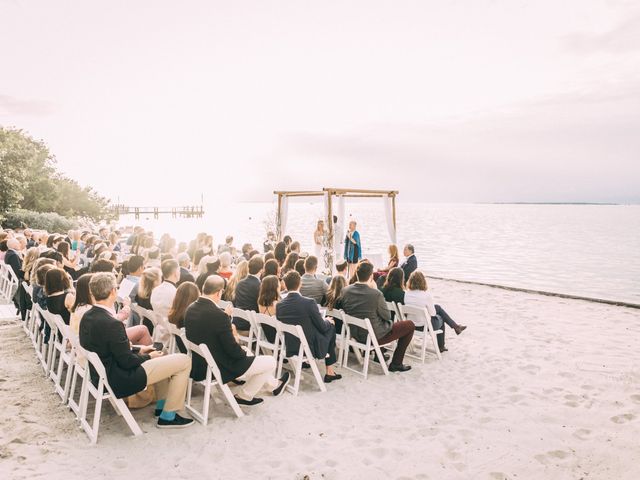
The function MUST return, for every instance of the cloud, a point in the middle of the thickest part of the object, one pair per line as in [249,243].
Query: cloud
[10,106]
[623,38]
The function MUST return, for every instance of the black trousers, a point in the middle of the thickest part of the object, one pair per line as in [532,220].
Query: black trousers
[332,358]
[435,322]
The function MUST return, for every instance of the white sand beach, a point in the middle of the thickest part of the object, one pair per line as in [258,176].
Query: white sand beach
[537,388]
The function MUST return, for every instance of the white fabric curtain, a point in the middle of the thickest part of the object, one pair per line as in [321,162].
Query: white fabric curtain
[338,238]
[284,214]
[388,214]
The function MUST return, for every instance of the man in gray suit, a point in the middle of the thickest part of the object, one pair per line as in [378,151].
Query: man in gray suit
[312,286]
[360,300]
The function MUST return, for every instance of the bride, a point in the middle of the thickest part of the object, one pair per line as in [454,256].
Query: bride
[318,240]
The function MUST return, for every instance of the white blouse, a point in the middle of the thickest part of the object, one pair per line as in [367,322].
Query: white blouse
[420,298]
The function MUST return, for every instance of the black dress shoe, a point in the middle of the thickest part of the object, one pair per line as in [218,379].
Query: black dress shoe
[331,378]
[385,355]
[399,368]
[253,401]
[306,365]
[284,381]
[459,329]
[444,349]
[177,422]
[238,382]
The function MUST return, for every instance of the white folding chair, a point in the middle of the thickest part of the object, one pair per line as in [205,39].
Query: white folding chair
[62,357]
[213,378]
[247,316]
[393,307]
[296,361]
[371,344]
[224,304]
[79,371]
[8,282]
[46,350]
[101,392]
[340,338]
[427,336]
[160,328]
[262,343]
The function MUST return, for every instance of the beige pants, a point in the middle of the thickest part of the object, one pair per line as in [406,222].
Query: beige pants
[261,373]
[170,376]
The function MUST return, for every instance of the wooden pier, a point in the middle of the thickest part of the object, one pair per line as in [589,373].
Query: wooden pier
[175,212]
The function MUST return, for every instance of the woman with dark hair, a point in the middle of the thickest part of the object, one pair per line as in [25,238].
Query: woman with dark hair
[287,242]
[70,266]
[271,267]
[290,263]
[393,288]
[280,253]
[300,266]
[417,295]
[186,294]
[334,293]
[267,298]
[60,296]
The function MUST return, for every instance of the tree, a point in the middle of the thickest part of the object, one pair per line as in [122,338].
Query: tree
[29,180]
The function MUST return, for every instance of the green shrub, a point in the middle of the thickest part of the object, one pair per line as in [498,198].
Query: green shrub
[51,222]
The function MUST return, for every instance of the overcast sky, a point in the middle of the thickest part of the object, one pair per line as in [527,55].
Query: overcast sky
[458,101]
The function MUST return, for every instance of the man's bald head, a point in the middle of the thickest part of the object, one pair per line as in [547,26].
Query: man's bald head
[212,285]
[13,244]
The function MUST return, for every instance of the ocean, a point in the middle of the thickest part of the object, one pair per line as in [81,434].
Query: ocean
[587,250]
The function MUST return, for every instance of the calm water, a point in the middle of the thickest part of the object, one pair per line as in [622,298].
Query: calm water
[587,250]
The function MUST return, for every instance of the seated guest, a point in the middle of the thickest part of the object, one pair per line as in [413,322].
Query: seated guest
[296,309]
[268,297]
[290,263]
[295,247]
[247,248]
[271,267]
[225,265]
[411,262]
[280,253]
[60,295]
[186,294]
[341,271]
[361,301]
[29,262]
[70,265]
[211,267]
[162,296]
[185,275]
[153,257]
[269,256]
[417,295]
[247,292]
[135,267]
[151,278]
[131,370]
[242,270]
[137,335]
[206,249]
[270,243]
[394,261]
[206,323]
[312,286]
[102,265]
[227,246]
[334,298]
[393,288]
[300,266]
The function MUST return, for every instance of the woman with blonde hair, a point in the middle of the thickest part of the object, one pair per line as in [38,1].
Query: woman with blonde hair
[394,261]
[242,270]
[417,295]
[150,279]
[319,237]
[29,262]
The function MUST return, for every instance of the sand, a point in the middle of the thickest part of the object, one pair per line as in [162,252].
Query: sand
[536,388]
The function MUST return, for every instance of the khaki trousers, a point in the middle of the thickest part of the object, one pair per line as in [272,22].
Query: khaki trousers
[261,373]
[170,376]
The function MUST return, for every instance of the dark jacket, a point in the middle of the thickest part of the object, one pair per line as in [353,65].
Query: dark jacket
[103,334]
[409,266]
[12,259]
[298,310]
[246,298]
[205,323]
[185,276]
[361,301]
[395,294]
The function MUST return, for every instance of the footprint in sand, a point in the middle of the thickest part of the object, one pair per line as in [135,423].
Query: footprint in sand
[552,456]
[624,418]
[498,476]
[582,434]
[635,398]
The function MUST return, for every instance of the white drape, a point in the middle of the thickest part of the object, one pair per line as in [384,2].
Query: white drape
[388,214]
[284,215]
[338,239]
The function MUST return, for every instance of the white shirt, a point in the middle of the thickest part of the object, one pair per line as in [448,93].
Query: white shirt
[420,298]
[162,298]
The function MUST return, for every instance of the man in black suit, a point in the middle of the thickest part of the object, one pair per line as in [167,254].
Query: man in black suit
[185,275]
[14,260]
[205,322]
[411,262]
[131,369]
[320,333]
[247,292]
[362,300]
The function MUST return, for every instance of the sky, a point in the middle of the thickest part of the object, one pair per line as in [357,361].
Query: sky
[160,102]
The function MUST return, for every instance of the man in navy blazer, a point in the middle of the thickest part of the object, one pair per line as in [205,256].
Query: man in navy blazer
[247,291]
[411,263]
[320,333]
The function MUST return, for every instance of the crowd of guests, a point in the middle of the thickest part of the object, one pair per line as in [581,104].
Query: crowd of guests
[78,276]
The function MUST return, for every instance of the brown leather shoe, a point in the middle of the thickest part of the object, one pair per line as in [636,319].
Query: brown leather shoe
[459,329]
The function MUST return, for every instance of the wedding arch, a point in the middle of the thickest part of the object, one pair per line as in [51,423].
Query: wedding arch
[334,214]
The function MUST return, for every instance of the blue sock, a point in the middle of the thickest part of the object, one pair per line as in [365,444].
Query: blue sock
[160,404]
[168,416]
